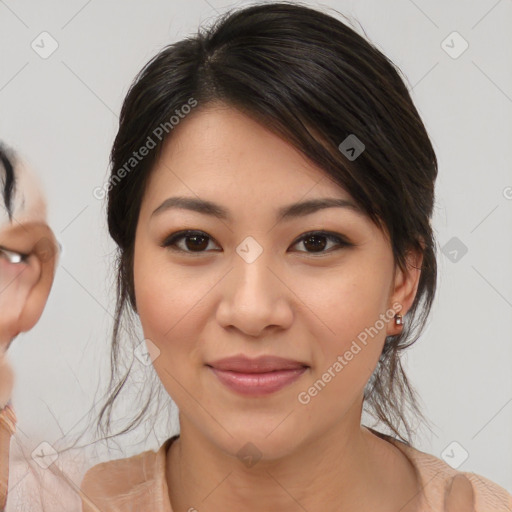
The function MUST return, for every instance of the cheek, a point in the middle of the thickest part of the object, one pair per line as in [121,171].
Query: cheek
[166,313]
[170,305]
[164,303]
[350,322]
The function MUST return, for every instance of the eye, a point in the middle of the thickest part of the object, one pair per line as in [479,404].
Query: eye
[13,256]
[318,240]
[198,241]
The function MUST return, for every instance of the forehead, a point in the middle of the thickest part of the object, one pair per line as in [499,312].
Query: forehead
[220,153]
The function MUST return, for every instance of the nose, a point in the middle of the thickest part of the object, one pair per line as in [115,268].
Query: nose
[255,297]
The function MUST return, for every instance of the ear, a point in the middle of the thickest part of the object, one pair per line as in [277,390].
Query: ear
[33,280]
[404,287]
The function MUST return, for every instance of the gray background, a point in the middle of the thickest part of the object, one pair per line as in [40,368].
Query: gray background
[61,114]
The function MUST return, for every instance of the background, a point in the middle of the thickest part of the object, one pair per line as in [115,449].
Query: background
[65,68]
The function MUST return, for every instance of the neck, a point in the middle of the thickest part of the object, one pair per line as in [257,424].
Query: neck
[329,472]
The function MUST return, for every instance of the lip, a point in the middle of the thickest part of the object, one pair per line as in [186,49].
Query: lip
[260,376]
[262,364]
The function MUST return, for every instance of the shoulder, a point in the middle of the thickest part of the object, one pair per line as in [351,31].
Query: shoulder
[110,485]
[38,488]
[447,489]
[450,490]
[488,496]
[107,483]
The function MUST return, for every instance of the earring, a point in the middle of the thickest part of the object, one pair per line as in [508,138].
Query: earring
[399,320]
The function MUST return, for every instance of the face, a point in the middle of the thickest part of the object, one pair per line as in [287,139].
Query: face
[24,285]
[303,287]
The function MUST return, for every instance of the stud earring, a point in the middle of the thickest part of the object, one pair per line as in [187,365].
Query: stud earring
[399,320]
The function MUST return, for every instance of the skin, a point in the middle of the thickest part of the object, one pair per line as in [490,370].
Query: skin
[292,302]
[24,289]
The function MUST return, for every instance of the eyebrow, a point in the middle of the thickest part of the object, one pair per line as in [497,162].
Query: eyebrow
[288,212]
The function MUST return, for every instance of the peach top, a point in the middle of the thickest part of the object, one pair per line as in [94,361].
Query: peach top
[139,483]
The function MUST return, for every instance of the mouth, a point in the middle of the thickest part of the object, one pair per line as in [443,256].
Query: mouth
[257,377]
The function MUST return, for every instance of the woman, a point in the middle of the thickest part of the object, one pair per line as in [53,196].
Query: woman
[28,257]
[271,195]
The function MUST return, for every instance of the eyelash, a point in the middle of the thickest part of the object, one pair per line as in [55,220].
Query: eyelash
[170,241]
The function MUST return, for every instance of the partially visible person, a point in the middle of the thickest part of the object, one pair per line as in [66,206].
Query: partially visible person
[28,257]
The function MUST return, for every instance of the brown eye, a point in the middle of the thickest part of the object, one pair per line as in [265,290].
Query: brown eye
[195,241]
[317,241]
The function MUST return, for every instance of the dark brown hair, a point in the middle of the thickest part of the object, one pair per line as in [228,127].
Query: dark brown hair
[7,177]
[314,81]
